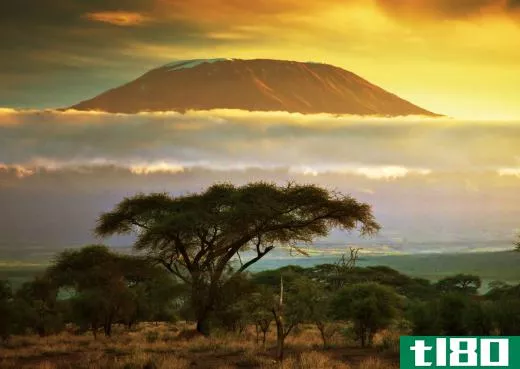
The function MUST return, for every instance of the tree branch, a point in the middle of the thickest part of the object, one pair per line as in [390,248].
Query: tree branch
[240,259]
[260,255]
[138,224]
[179,246]
[289,329]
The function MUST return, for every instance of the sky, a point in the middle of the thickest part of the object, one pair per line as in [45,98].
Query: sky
[458,58]
[435,184]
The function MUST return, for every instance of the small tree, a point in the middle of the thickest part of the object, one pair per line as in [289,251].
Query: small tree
[463,283]
[316,300]
[197,236]
[370,306]
[301,300]
[287,312]
[38,308]
[105,284]
[258,308]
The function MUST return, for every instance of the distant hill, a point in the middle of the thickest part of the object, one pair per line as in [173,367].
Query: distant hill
[254,85]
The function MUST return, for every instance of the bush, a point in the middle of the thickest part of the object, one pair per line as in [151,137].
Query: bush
[152,336]
[370,306]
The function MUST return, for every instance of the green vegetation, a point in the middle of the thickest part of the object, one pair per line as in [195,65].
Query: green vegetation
[342,302]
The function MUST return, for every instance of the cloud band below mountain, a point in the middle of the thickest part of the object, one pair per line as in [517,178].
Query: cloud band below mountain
[229,139]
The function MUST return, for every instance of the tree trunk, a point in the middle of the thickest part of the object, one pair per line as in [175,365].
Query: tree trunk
[280,336]
[363,337]
[263,326]
[107,327]
[202,300]
[203,324]
[41,331]
[370,338]
[241,328]
[94,327]
[280,345]
[324,339]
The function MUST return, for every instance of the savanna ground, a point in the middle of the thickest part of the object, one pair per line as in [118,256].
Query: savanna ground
[177,346]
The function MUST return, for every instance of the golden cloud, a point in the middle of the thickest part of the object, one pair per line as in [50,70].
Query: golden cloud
[515,172]
[119,18]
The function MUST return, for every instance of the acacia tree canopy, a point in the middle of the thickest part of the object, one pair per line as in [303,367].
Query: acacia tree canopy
[464,283]
[109,287]
[196,236]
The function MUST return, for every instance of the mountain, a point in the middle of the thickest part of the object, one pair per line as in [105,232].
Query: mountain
[255,85]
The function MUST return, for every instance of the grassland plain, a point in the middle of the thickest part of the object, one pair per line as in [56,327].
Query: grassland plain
[490,266]
[175,346]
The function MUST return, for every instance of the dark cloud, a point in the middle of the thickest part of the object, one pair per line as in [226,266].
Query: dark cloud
[58,12]
[47,43]
[513,3]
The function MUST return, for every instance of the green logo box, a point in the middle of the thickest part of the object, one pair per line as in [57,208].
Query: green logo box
[491,352]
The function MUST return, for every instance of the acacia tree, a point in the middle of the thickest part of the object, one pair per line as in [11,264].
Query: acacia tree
[286,317]
[463,283]
[261,302]
[317,301]
[370,306]
[105,284]
[196,236]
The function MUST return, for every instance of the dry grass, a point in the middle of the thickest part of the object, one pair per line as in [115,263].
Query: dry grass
[165,346]
[313,359]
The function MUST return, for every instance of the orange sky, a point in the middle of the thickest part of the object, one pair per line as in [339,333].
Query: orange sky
[464,66]
[459,58]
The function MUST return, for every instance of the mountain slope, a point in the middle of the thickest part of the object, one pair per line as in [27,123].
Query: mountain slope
[255,85]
